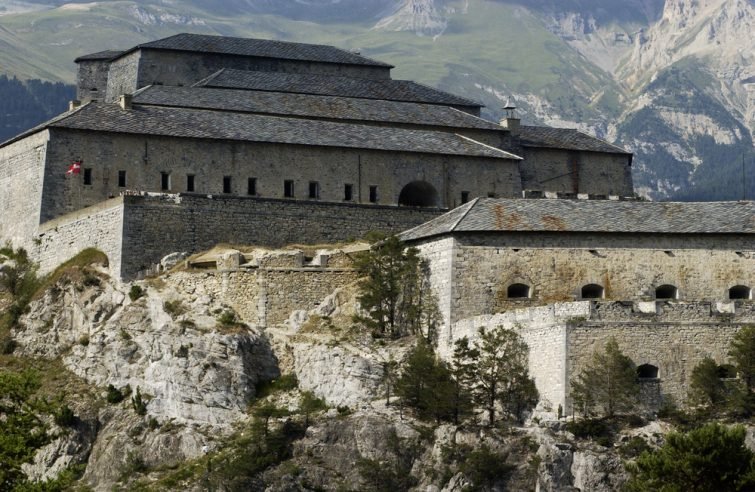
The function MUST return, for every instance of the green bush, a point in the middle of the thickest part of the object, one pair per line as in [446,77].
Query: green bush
[174,308]
[286,382]
[597,429]
[114,395]
[485,468]
[634,447]
[227,318]
[140,406]
[711,458]
[65,417]
[136,292]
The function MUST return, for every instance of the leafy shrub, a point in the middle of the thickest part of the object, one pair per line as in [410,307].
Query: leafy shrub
[596,429]
[183,352]
[286,382]
[140,406]
[84,340]
[712,457]
[136,292]
[174,308]
[114,395]
[227,318]
[65,417]
[634,447]
[485,468]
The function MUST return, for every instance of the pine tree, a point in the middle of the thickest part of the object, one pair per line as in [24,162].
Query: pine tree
[608,383]
[496,368]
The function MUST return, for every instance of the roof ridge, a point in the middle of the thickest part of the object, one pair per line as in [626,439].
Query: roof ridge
[475,103]
[511,156]
[466,212]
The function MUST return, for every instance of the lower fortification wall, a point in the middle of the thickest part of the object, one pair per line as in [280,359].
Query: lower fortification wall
[136,232]
[673,336]
[157,225]
[99,226]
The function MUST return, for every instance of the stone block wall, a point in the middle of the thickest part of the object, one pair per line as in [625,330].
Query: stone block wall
[100,227]
[557,265]
[266,297]
[21,169]
[576,172]
[122,76]
[91,80]
[562,337]
[157,225]
[145,158]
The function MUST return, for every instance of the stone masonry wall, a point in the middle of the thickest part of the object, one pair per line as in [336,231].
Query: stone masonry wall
[556,267]
[544,329]
[266,297]
[100,227]
[439,256]
[576,172]
[21,171]
[91,80]
[122,76]
[673,336]
[144,158]
[158,225]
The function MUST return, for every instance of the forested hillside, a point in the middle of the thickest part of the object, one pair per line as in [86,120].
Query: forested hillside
[24,104]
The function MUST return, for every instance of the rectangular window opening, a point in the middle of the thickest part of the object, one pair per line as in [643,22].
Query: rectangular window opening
[314,190]
[464,196]
[121,179]
[491,195]
[251,186]
[164,181]
[87,175]
[226,184]
[190,182]
[288,188]
[373,194]
[348,192]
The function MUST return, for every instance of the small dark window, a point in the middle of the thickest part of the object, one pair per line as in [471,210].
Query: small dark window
[226,184]
[348,192]
[518,291]
[666,292]
[373,194]
[491,195]
[647,371]
[740,292]
[87,175]
[190,182]
[121,179]
[592,291]
[464,196]
[251,186]
[288,188]
[164,181]
[314,190]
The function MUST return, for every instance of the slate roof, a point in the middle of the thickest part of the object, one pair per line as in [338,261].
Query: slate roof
[263,48]
[313,106]
[100,55]
[605,216]
[329,85]
[195,123]
[565,138]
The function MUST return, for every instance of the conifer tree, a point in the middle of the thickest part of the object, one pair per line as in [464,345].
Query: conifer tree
[607,384]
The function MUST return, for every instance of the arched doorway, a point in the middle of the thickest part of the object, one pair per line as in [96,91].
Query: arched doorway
[418,194]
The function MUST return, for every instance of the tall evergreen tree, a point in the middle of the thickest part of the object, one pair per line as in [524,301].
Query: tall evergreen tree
[607,384]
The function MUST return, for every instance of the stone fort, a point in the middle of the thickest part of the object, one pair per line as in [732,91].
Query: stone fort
[195,140]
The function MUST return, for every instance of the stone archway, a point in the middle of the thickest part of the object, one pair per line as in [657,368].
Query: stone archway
[418,194]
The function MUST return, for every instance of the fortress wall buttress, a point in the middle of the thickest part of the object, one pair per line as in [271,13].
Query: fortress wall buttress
[99,226]
[21,173]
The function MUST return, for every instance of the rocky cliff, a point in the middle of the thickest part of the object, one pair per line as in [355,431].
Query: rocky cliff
[173,390]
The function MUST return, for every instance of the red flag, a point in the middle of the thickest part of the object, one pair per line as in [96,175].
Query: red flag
[74,168]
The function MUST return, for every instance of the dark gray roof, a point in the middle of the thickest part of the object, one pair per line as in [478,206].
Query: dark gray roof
[314,106]
[100,55]
[608,216]
[565,138]
[195,123]
[263,48]
[329,85]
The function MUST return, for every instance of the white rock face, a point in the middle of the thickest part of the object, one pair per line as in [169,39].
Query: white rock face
[422,17]
[189,371]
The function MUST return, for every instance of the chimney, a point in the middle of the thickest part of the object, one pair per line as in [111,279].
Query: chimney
[73,104]
[125,101]
[510,120]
